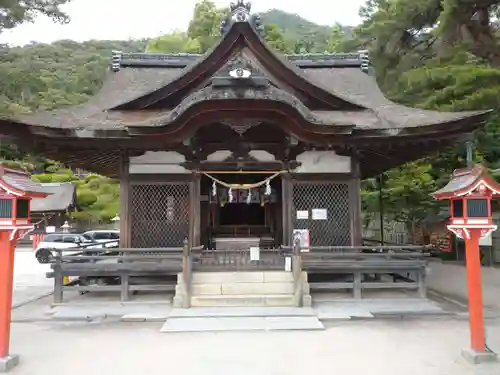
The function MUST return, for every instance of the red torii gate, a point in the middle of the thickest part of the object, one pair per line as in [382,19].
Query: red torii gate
[16,192]
[470,192]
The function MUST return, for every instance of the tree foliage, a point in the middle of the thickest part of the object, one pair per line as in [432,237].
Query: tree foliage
[49,76]
[15,12]
[432,54]
[439,55]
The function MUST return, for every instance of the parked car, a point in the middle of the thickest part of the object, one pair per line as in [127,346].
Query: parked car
[44,252]
[104,236]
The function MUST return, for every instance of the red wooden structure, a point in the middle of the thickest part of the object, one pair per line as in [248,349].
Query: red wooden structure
[470,192]
[16,192]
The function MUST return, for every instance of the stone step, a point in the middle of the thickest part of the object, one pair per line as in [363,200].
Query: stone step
[240,277]
[239,288]
[243,300]
[241,324]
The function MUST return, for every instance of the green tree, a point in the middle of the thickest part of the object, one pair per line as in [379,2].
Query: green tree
[15,12]
[205,24]
[174,43]
[406,194]
[336,38]
[274,38]
[420,60]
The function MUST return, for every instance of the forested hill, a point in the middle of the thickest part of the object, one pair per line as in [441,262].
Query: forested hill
[441,56]
[44,77]
[298,31]
[47,76]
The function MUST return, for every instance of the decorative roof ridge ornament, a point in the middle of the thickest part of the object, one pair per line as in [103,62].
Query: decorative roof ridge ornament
[240,12]
[116,59]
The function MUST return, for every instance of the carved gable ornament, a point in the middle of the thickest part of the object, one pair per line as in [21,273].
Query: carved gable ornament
[240,11]
[240,71]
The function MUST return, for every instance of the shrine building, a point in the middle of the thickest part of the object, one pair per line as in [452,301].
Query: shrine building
[239,143]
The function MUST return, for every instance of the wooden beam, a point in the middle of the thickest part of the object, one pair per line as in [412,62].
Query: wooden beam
[355,201]
[125,201]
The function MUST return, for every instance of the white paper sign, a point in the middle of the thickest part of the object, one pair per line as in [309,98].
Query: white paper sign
[50,229]
[319,214]
[288,264]
[302,215]
[254,253]
[486,241]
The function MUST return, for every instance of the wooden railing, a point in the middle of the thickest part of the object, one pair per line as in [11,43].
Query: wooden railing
[407,265]
[366,264]
[120,264]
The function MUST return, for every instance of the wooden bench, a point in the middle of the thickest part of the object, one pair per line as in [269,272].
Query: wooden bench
[123,264]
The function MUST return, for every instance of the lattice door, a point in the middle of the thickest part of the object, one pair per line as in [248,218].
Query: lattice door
[160,215]
[332,197]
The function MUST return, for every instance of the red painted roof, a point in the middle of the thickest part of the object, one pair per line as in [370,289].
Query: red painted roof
[467,180]
[19,183]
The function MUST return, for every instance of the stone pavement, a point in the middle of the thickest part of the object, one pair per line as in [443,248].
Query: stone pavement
[389,347]
[29,278]
[450,279]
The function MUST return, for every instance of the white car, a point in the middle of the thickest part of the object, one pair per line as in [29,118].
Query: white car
[44,252]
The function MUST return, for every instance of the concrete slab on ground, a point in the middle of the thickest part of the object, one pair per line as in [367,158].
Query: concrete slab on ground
[223,319]
[213,312]
[369,308]
[124,311]
[224,324]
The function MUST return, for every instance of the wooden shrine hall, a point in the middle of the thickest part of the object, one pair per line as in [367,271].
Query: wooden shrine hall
[240,146]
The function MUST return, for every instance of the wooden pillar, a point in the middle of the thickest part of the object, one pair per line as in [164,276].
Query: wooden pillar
[355,202]
[286,202]
[125,202]
[194,210]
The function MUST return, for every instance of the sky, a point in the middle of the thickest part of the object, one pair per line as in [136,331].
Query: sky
[133,19]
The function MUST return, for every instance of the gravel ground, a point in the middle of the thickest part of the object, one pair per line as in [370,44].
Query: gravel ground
[413,347]
[29,278]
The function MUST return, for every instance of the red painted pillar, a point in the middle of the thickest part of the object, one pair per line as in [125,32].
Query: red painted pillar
[7,249]
[475,291]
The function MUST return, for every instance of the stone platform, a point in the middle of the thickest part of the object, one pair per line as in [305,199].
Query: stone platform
[224,319]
